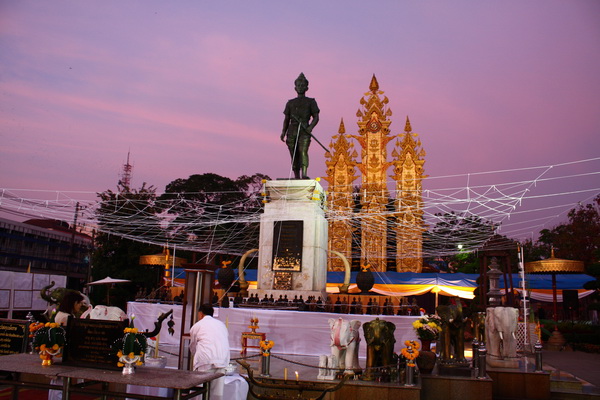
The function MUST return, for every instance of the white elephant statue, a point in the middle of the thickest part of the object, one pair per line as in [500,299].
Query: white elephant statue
[345,337]
[501,332]
[108,313]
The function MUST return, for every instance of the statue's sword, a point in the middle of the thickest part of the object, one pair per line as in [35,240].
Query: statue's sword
[301,125]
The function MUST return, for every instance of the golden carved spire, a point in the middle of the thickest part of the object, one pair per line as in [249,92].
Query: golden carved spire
[374,86]
[408,174]
[341,172]
[342,128]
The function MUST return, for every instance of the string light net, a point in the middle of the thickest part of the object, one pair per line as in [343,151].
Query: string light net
[517,203]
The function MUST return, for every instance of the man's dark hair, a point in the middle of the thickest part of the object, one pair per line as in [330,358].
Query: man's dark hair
[206,309]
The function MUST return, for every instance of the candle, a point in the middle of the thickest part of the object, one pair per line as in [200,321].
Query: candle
[296,375]
[285,374]
[227,322]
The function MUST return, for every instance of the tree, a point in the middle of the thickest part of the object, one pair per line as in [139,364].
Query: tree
[455,238]
[579,238]
[214,214]
[125,219]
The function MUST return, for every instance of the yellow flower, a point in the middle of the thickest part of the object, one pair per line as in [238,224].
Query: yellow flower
[120,364]
[119,354]
[131,355]
[55,347]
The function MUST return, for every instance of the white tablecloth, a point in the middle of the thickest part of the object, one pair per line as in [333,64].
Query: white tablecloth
[297,332]
[236,388]
[294,332]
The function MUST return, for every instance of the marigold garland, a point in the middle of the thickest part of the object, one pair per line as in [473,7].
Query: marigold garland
[410,352]
[131,348]
[48,338]
[266,346]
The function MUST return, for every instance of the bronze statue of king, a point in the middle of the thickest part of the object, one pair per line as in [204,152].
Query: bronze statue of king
[301,116]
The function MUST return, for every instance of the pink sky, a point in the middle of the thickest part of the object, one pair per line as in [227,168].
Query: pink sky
[193,87]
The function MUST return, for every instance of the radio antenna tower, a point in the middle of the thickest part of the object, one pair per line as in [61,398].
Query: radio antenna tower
[125,178]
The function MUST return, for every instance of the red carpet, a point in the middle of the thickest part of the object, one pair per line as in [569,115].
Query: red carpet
[38,394]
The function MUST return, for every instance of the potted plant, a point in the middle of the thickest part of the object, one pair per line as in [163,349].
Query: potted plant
[428,329]
[49,339]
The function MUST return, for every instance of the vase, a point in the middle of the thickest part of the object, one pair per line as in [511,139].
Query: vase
[426,361]
[266,366]
[47,356]
[410,375]
[365,281]
[46,359]
[425,344]
[156,362]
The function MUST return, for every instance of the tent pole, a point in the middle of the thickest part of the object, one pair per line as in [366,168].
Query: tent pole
[173,268]
[554,300]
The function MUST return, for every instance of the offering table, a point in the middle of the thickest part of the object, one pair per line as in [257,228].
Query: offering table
[96,381]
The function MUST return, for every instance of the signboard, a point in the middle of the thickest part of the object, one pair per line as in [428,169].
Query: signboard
[287,245]
[89,342]
[14,335]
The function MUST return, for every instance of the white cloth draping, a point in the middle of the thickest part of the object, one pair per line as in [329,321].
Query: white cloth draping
[146,315]
[307,333]
[236,388]
[548,297]
[294,332]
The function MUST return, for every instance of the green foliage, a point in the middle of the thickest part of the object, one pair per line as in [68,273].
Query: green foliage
[455,238]
[577,239]
[132,213]
[218,204]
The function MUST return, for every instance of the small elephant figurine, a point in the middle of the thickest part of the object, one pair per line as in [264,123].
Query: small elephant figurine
[345,338]
[452,337]
[379,335]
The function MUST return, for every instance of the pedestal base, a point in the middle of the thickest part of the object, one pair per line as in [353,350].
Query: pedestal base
[454,370]
[502,363]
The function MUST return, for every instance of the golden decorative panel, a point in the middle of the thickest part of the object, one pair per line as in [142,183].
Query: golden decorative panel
[373,219]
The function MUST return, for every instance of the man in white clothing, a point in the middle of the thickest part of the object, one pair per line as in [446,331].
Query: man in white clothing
[209,345]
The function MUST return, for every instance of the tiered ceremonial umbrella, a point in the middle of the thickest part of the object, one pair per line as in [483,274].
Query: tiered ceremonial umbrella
[554,266]
[164,259]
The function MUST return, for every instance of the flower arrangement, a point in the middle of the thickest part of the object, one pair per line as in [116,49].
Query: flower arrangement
[410,352]
[49,339]
[266,346]
[428,327]
[130,348]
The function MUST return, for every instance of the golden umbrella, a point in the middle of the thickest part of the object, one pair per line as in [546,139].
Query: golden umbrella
[163,259]
[554,266]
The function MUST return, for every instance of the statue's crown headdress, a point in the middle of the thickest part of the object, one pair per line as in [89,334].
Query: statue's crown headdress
[301,77]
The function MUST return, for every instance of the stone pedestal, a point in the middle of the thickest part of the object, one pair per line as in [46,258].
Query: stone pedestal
[293,240]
